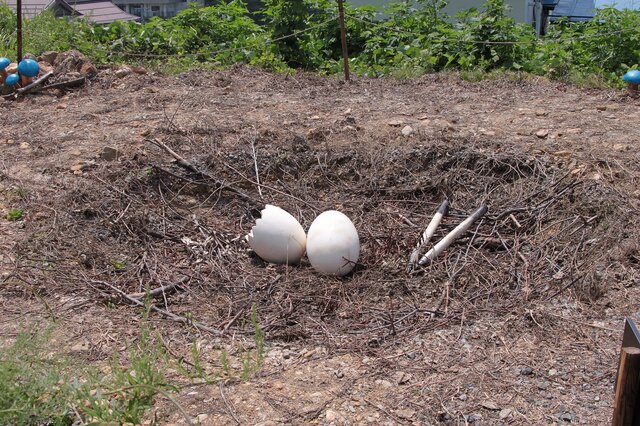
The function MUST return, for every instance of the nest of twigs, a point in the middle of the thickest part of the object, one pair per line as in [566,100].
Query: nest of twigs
[152,222]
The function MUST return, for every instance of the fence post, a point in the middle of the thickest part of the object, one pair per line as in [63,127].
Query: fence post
[19,28]
[625,405]
[343,36]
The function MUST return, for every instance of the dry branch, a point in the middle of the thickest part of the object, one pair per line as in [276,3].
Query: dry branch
[180,161]
[160,290]
[171,316]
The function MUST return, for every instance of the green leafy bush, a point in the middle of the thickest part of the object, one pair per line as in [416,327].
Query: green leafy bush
[407,38]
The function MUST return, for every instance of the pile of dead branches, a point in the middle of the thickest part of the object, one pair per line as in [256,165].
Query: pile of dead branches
[172,219]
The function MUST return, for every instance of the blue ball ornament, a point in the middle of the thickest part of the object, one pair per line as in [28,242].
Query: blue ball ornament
[28,68]
[632,77]
[11,80]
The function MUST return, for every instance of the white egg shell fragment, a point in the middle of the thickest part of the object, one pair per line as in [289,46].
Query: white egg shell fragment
[278,237]
[333,245]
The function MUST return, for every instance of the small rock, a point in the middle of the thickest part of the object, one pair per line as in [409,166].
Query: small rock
[505,413]
[384,383]
[88,69]
[80,347]
[331,415]
[139,70]
[462,397]
[110,154]
[574,131]
[49,56]
[61,106]
[526,371]
[553,372]
[474,417]
[200,418]
[490,405]
[621,147]
[401,378]
[542,133]
[407,130]
[347,112]
[12,68]
[601,107]
[278,385]
[123,72]
[543,385]
[406,413]
[567,417]
[24,145]
[396,122]
[146,132]
[542,113]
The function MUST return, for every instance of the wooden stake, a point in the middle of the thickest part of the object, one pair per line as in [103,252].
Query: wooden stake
[343,37]
[19,28]
[625,406]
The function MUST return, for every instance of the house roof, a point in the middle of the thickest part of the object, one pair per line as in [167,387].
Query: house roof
[584,10]
[575,10]
[32,8]
[101,11]
[98,11]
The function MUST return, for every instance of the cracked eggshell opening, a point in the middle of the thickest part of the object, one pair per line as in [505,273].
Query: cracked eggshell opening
[333,245]
[278,237]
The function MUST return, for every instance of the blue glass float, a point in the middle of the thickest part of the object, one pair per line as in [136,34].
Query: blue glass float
[4,62]
[11,80]
[632,77]
[28,68]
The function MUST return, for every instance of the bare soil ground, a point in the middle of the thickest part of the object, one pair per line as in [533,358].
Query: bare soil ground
[519,322]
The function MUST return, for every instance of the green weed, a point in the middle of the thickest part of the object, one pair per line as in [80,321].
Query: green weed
[15,214]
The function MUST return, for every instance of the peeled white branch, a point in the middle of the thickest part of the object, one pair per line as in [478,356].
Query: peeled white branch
[428,233]
[452,236]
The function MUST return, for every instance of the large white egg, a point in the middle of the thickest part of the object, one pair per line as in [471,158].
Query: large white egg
[278,237]
[333,245]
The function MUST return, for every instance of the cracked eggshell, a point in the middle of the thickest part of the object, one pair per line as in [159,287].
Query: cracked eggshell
[333,245]
[277,237]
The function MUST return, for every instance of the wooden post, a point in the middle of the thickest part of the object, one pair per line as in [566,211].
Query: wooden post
[625,406]
[19,28]
[343,37]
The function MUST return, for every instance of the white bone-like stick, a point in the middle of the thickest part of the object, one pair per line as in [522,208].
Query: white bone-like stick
[452,236]
[427,234]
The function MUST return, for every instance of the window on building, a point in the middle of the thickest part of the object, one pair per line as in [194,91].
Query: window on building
[136,9]
[155,11]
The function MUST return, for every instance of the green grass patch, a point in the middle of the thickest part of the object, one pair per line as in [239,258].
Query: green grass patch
[15,214]
[39,386]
